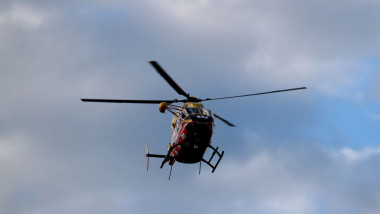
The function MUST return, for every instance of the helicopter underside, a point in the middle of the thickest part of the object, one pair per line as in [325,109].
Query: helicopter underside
[193,140]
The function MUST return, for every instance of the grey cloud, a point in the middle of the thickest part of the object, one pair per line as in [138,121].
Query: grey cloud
[299,180]
[60,155]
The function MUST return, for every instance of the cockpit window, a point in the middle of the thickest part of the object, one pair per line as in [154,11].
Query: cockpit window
[197,112]
[192,110]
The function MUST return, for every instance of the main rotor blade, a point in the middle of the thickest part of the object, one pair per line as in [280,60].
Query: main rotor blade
[224,120]
[168,79]
[130,101]
[246,95]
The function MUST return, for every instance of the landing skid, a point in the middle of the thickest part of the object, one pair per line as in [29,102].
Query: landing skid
[212,156]
[169,158]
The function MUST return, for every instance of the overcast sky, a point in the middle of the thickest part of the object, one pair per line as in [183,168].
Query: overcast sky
[311,151]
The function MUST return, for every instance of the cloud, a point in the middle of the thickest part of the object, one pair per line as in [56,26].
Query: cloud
[25,17]
[355,156]
[61,155]
[299,180]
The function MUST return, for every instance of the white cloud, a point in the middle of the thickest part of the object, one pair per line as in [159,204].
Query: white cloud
[22,16]
[269,186]
[361,155]
[13,151]
[276,44]
[300,180]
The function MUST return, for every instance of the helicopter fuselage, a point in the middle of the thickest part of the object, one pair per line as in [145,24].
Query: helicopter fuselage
[193,127]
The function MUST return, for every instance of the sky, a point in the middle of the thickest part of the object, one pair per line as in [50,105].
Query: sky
[310,151]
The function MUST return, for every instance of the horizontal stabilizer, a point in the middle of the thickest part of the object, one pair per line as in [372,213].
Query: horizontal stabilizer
[155,156]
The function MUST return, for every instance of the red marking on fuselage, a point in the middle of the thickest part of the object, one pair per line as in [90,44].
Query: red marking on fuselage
[178,137]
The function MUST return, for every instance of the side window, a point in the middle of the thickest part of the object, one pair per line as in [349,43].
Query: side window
[206,112]
[184,114]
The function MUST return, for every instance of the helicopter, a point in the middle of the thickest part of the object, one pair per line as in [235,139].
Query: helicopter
[192,125]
